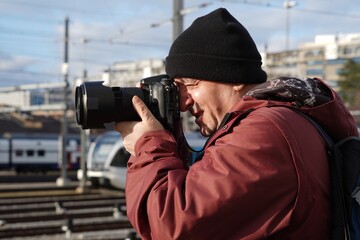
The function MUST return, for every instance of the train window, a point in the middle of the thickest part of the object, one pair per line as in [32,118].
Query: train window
[121,158]
[30,153]
[101,152]
[18,152]
[41,153]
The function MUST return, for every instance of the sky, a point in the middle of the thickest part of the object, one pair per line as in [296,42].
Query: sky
[103,32]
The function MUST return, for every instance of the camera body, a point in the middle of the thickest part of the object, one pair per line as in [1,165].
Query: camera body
[96,104]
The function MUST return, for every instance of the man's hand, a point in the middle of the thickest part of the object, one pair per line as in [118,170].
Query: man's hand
[132,131]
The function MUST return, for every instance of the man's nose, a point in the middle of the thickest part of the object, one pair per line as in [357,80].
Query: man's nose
[186,102]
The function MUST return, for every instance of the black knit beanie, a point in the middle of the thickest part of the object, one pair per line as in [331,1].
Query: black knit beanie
[216,47]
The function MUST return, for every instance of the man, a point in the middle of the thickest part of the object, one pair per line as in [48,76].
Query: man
[264,172]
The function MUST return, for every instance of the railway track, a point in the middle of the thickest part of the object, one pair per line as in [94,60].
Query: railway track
[62,214]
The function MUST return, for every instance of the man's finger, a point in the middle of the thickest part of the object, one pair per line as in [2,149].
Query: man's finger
[141,108]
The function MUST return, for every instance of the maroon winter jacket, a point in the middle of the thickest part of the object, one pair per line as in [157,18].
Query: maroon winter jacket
[263,176]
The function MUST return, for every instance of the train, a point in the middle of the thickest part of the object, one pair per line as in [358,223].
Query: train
[107,159]
[38,152]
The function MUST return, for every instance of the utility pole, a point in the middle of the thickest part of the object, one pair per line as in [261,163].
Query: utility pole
[178,25]
[288,4]
[63,180]
[84,138]
[177,18]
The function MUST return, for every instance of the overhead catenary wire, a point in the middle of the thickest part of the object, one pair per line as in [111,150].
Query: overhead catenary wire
[299,9]
[50,6]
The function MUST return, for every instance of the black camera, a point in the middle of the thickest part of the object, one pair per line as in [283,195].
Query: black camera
[97,105]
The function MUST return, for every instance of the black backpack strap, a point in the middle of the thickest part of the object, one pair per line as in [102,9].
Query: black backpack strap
[340,228]
[351,146]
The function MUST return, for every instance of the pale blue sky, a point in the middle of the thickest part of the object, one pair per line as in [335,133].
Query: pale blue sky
[31,31]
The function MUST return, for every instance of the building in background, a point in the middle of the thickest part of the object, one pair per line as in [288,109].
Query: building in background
[323,58]
[127,74]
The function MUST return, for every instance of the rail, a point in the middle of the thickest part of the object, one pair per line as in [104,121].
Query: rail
[69,216]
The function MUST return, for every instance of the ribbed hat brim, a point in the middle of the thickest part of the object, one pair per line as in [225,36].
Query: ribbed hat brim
[232,70]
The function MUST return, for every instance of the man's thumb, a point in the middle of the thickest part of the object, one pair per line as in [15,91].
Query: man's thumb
[141,108]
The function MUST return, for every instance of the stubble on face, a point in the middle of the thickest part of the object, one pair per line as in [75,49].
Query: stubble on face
[210,101]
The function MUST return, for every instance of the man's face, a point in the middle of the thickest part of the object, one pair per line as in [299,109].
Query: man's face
[207,101]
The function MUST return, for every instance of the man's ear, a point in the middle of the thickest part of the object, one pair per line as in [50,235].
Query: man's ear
[238,88]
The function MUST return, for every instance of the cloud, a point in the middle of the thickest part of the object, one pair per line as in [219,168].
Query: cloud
[9,62]
[96,46]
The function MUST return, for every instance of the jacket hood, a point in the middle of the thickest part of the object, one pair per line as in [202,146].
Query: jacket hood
[308,92]
[312,96]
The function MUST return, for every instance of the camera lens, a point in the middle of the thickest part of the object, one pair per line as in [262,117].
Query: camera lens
[79,105]
[123,103]
[97,104]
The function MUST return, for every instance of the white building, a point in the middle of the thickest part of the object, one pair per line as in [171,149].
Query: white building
[323,58]
[127,74]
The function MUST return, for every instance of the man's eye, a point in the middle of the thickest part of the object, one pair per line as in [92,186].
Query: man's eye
[191,84]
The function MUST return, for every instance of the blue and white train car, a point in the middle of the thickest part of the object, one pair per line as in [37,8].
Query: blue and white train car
[107,159]
[37,153]
[98,154]
[118,158]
